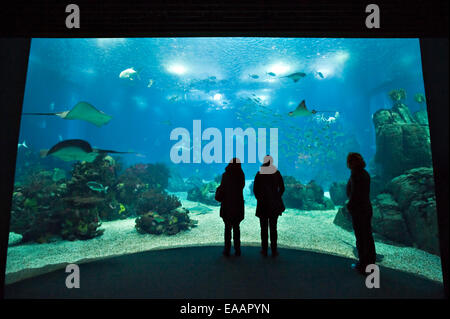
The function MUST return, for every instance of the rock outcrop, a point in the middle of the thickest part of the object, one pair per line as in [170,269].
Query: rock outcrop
[402,140]
[305,197]
[204,194]
[414,193]
[338,193]
[405,212]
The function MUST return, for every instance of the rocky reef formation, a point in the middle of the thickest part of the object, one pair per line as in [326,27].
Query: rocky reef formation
[205,193]
[338,190]
[304,197]
[80,218]
[35,204]
[194,181]
[405,212]
[160,213]
[402,138]
[102,173]
[14,239]
[47,206]
[139,178]
[402,188]
[51,204]
[338,193]
[415,195]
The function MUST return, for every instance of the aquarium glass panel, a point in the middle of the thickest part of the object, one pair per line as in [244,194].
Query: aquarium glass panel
[123,143]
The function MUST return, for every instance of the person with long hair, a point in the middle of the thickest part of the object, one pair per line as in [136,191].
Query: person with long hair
[360,209]
[268,188]
[229,194]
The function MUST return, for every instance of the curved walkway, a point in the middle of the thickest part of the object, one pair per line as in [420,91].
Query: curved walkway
[202,272]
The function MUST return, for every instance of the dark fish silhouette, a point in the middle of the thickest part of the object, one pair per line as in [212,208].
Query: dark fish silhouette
[81,111]
[301,110]
[295,76]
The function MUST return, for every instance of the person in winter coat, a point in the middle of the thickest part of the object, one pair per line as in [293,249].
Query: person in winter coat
[360,208]
[229,194]
[268,188]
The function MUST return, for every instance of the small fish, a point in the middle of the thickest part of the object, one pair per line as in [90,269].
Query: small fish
[23,144]
[150,83]
[122,208]
[129,74]
[320,74]
[271,74]
[60,138]
[254,76]
[97,187]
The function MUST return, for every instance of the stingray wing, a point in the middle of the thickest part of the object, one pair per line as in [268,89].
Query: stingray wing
[87,112]
[72,150]
[76,143]
[301,109]
[70,153]
[296,76]
[302,106]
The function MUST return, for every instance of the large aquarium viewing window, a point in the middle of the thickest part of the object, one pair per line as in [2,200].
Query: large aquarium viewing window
[123,143]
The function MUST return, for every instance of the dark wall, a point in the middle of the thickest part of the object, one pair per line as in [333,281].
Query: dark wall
[13,62]
[435,73]
[297,18]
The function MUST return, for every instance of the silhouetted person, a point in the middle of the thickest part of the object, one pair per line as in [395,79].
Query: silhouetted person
[229,193]
[268,188]
[360,208]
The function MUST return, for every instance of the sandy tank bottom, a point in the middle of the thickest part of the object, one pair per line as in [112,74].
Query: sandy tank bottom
[305,230]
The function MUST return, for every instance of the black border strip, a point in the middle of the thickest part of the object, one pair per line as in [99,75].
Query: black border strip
[435,74]
[293,18]
[13,58]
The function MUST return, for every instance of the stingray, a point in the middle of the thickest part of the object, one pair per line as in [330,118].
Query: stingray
[76,150]
[295,76]
[301,110]
[81,111]
[200,209]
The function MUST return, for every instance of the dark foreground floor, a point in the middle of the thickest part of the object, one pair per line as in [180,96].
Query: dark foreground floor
[202,272]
